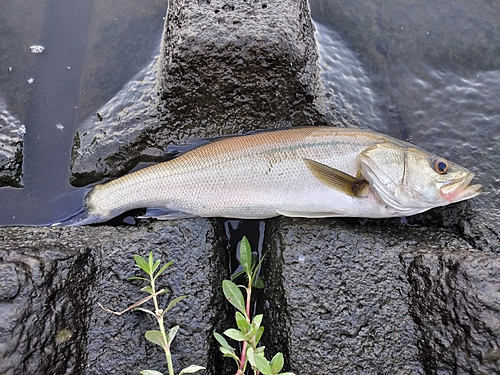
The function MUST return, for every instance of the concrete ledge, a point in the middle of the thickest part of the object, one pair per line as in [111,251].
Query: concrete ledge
[360,299]
[53,279]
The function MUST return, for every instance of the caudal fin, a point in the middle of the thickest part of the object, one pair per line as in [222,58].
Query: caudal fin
[74,211]
[81,218]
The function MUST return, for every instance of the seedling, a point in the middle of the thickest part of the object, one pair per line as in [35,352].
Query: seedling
[250,329]
[160,337]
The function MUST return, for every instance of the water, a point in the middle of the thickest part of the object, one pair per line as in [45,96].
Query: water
[91,49]
[425,72]
[235,230]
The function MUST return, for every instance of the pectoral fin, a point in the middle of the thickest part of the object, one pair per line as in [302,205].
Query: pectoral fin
[336,179]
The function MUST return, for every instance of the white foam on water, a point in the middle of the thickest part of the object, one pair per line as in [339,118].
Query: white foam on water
[37,49]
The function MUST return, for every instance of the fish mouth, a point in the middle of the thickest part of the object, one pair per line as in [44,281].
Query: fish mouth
[459,189]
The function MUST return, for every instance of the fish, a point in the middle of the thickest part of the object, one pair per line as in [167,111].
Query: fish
[308,172]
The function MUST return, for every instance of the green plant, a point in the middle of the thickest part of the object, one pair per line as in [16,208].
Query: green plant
[160,337]
[249,330]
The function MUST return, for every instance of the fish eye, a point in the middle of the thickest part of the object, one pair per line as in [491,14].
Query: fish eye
[440,166]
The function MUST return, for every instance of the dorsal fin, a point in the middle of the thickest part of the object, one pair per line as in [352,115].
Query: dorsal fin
[336,179]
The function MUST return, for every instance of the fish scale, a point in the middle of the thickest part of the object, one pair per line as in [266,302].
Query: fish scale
[255,176]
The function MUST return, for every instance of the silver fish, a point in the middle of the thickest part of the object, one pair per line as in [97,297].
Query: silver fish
[311,172]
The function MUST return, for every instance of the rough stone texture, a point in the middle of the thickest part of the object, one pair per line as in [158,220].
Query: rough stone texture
[130,113]
[455,304]
[341,297]
[52,281]
[233,66]
[11,147]
[346,297]
[39,301]
[226,68]
[381,300]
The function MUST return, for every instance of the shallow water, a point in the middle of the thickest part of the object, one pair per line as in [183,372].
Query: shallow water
[428,73]
[91,50]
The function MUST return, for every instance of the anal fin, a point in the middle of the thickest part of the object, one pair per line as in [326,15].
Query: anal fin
[165,214]
[310,215]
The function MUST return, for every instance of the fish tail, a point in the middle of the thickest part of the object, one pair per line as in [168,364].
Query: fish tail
[83,217]
[76,212]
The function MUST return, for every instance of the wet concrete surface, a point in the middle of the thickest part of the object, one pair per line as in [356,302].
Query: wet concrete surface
[11,149]
[453,300]
[383,300]
[225,68]
[54,278]
[342,296]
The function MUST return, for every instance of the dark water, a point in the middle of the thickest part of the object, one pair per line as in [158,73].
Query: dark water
[91,49]
[426,72]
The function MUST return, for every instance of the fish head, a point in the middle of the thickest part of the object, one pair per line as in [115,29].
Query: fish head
[411,180]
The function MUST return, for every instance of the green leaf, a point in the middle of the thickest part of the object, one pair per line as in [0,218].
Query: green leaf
[148,289]
[235,275]
[277,363]
[150,262]
[155,266]
[250,356]
[246,255]
[225,349]
[156,338]
[262,364]
[258,335]
[222,341]
[174,302]
[171,334]
[163,269]
[142,264]
[150,372]
[257,320]
[258,282]
[191,369]
[242,323]
[259,350]
[228,352]
[137,278]
[257,330]
[235,334]
[234,296]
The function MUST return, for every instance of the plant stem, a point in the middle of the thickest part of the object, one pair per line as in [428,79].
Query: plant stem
[242,359]
[249,320]
[159,318]
[153,288]
[169,362]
